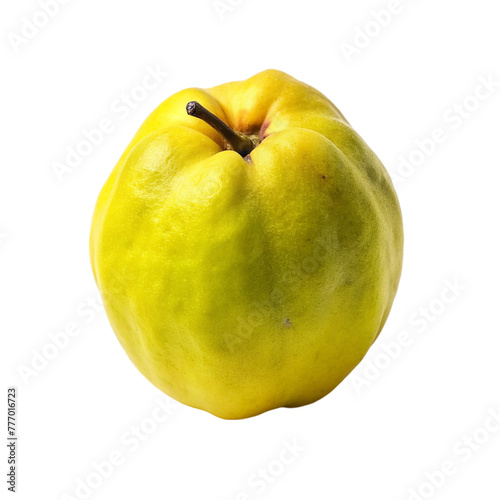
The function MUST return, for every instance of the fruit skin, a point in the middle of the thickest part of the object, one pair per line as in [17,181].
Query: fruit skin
[241,285]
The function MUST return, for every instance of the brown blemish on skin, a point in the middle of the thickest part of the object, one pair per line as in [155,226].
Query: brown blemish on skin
[287,323]
[263,130]
[323,177]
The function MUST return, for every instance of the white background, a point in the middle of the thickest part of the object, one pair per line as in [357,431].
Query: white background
[393,420]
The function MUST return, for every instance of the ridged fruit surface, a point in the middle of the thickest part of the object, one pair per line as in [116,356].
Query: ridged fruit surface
[242,284]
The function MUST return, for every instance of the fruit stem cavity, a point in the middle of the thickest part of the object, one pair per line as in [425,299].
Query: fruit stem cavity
[240,143]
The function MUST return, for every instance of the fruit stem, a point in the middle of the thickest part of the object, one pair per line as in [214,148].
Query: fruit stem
[238,142]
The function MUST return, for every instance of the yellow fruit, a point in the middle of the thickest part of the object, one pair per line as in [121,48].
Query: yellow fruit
[239,281]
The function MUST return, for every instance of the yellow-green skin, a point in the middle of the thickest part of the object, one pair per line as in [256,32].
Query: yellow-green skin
[242,285]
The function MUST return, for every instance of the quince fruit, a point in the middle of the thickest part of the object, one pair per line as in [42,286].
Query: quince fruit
[248,251]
